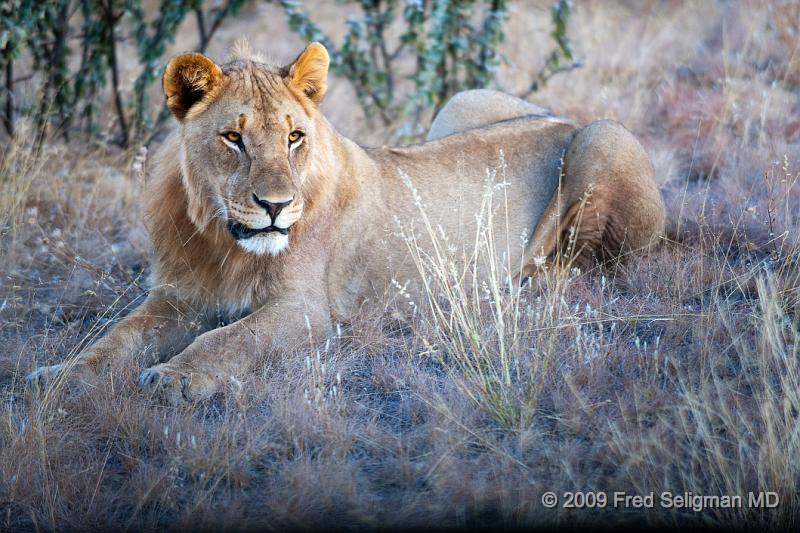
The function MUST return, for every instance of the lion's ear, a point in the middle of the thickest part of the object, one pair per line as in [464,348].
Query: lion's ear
[187,79]
[309,72]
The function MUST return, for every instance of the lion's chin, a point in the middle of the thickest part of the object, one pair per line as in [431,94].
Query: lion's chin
[271,243]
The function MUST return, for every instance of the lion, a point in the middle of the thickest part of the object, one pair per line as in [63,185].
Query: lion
[268,226]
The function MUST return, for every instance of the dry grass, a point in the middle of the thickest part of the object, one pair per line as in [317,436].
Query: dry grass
[678,371]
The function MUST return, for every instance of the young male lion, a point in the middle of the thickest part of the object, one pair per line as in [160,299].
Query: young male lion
[260,211]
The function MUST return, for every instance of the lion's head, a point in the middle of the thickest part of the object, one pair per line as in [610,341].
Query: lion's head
[247,130]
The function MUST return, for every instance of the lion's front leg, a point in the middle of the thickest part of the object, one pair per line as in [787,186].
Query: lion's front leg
[160,327]
[220,354]
[202,367]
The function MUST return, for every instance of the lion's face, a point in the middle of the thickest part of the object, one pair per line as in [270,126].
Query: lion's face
[247,135]
[252,146]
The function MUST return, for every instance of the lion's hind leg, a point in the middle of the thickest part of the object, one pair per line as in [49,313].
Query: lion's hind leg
[607,205]
[567,237]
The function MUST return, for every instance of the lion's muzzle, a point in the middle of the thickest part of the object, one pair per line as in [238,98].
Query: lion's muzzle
[263,228]
[273,209]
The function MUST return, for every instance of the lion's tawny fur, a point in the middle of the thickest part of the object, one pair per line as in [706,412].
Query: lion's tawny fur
[351,215]
[481,107]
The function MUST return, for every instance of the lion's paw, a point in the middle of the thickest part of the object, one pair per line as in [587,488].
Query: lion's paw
[71,374]
[176,386]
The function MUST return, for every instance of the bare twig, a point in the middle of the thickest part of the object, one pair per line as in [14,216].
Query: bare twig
[8,116]
[546,74]
[201,26]
[111,21]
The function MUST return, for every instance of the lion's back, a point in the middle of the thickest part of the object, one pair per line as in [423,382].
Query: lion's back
[477,108]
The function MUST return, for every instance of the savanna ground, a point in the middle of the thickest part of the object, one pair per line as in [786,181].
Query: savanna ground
[677,371]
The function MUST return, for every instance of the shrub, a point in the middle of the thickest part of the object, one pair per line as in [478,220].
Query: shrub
[453,50]
[71,99]
[454,45]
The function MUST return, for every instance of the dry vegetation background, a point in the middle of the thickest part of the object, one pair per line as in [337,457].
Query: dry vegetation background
[677,372]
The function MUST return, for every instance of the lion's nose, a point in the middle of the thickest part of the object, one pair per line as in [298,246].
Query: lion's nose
[273,208]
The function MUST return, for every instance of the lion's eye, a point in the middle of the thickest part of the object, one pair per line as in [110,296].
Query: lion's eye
[233,136]
[295,136]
